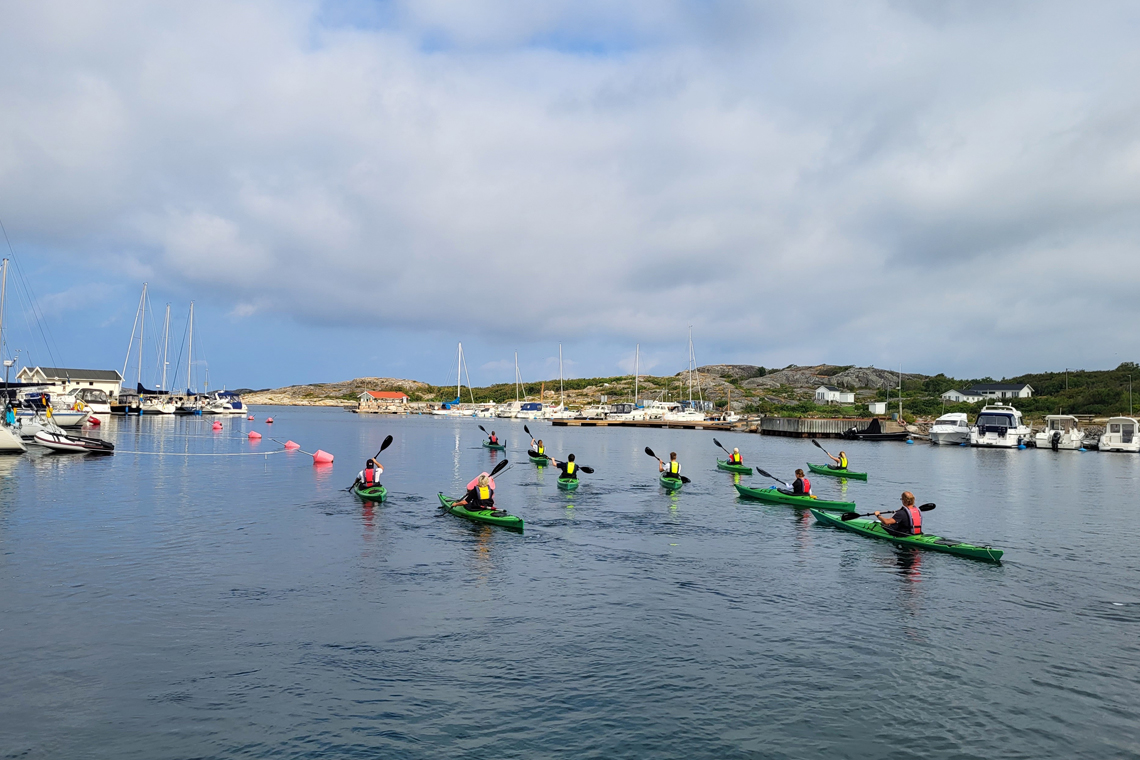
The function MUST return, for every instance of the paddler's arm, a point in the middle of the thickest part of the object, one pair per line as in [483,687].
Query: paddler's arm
[885,520]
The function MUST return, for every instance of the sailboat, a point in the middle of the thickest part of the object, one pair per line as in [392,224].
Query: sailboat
[511,408]
[689,412]
[190,404]
[157,401]
[452,409]
[559,412]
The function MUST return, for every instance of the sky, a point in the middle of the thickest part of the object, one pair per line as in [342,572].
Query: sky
[352,188]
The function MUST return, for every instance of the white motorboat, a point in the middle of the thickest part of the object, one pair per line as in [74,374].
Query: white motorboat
[157,405]
[598,412]
[94,400]
[951,429]
[64,418]
[1061,432]
[1121,434]
[999,426]
[530,410]
[485,412]
[684,415]
[57,440]
[622,411]
[508,410]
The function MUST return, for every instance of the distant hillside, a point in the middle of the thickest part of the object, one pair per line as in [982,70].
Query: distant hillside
[332,394]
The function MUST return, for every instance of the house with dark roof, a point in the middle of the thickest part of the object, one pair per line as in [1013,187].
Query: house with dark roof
[955,396]
[1003,390]
[66,379]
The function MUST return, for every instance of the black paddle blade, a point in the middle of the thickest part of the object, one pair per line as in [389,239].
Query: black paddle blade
[814,441]
[927,507]
[587,470]
[685,480]
[528,431]
[849,516]
[715,441]
[483,429]
[767,474]
[387,442]
[649,451]
[499,467]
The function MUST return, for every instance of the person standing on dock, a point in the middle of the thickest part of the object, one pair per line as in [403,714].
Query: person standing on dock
[569,468]
[907,521]
[840,461]
[735,458]
[671,470]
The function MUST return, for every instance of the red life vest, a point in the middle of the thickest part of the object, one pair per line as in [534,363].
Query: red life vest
[807,485]
[494,439]
[915,519]
[369,476]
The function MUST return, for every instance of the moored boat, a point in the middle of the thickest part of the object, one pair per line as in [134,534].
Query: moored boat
[57,440]
[1120,434]
[1061,432]
[999,426]
[951,429]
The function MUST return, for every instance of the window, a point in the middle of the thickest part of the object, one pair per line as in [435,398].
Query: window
[1114,427]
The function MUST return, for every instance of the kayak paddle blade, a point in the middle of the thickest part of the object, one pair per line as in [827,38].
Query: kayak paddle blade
[649,451]
[499,467]
[386,444]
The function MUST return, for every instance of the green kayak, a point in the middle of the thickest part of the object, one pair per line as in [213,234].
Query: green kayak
[823,469]
[671,484]
[568,484]
[875,529]
[490,516]
[722,464]
[772,496]
[375,493]
[540,460]
[495,446]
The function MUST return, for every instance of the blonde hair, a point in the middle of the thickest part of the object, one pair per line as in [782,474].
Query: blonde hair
[484,479]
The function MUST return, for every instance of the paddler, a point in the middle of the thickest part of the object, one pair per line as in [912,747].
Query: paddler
[494,439]
[569,468]
[802,486]
[840,461]
[480,494]
[734,457]
[671,470]
[370,475]
[907,521]
[538,448]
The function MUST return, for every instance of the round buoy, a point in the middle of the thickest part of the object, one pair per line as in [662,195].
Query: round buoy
[322,457]
[250,417]
[291,446]
[910,441]
[254,435]
[217,426]
[94,421]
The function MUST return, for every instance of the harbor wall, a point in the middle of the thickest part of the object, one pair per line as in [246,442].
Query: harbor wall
[810,427]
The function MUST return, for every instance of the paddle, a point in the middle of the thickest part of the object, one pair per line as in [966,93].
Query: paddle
[825,451]
[773,477]
[385,444]
[649,451]
[722,448]
[851,515]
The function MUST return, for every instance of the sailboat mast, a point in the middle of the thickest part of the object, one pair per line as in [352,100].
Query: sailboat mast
[131,342]
[142,329]
[690,366]
[636,371]
[3,294]
[190,349]
[459,374]
[165,345]
[561,393]
[516,377]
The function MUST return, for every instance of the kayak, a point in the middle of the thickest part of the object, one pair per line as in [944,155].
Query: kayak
[495,446]
[489,516]
[374,493]
[540,460]
[671,484]
[772,496]
[723,464]
[823,469]
[568,484]
[875,529]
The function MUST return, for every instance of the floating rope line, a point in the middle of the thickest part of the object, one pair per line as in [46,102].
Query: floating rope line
[203,454]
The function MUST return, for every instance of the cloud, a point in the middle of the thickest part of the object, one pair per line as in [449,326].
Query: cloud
[867,183]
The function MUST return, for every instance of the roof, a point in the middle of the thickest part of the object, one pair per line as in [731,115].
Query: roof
[1000,386]
[831,388]
[970,392]
[386,394]
[67,373]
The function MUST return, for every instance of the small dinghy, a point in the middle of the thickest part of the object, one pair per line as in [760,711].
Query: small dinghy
[76,444]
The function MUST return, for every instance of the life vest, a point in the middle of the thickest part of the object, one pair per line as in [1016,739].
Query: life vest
[915,520]
[484,493]
[570,467]
[494,439]
[735,459]
[541,450]
[806,485]
[369,476]
[674,468]
[843,461]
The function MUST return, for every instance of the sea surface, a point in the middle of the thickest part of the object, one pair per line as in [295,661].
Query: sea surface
[238,603]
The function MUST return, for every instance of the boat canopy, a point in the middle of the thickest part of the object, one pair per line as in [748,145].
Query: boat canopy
[1062,422]
[531,406]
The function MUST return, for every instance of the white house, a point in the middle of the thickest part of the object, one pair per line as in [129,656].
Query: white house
[962,397]
[64,380]
[877,407]
[373,400]
[829,394]
[1003,390]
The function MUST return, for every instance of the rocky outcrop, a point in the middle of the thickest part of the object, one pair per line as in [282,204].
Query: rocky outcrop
[730,371]
[332,394]
[869,377]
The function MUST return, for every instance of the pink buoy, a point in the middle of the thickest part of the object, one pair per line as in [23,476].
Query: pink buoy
[322,457]
[269,421]
[217,426]
[291,446]
[254,435]
[250,417]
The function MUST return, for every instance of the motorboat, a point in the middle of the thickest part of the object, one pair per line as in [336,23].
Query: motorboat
[559,412]
[598,412]
[874,432]
[508,410]
[62,442]
[126,404]
[157,405]
[999,426]
[94,399]
[1120,434]
[951,429]
[530,410]
[223,402]
[485,412]
[1061,432]
[621,412]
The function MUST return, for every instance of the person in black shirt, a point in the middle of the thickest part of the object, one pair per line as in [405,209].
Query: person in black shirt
[569,468]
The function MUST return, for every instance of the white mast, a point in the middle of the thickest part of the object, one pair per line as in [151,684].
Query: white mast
[142,329]
[690,366]
[3,293]
[562,402]
[636,371]
[165,346]
[190,349]
[516,377]
[131,343]
[459,374]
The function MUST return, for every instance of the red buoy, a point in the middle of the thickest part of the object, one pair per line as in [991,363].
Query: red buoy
[254,435]
[322,457]
[291,446]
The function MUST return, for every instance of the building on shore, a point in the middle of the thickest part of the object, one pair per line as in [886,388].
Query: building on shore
[382,401]
[829,394]
[65,380]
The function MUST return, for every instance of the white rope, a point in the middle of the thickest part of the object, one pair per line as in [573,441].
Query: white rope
[180,454]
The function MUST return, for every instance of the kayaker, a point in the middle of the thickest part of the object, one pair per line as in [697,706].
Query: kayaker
[538,448]
[370,475]
[569,468]
[907,521]
[481,494]
[735,457]
[802,486]
[494,438]
[840,461]
[671,470]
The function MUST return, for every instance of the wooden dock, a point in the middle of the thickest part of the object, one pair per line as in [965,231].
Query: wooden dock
[672,425]
[810,427]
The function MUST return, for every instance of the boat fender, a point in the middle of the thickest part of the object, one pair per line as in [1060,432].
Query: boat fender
[910,441]
[1021,446]
[322,457]
[217,426]
[1082,448]
[254,435]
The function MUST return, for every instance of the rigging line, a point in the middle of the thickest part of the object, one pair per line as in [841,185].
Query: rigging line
[178,361]
[23,281]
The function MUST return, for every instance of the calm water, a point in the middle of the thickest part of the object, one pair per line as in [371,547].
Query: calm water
[246,606]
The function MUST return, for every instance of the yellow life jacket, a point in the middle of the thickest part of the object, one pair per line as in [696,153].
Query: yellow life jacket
[541,450]
[843,461]
[674,468]
[484,493]
[570,467]
[734,459]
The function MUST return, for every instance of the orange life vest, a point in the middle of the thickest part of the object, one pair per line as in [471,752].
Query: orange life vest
[915,519]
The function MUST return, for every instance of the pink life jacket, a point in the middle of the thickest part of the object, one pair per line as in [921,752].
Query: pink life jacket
[915,519]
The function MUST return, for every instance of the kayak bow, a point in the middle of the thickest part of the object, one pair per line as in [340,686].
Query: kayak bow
[823,469]
[568,484]
[722,464]
[773,496]
[875,529]
[671,484]
[489,516]
[374,493]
